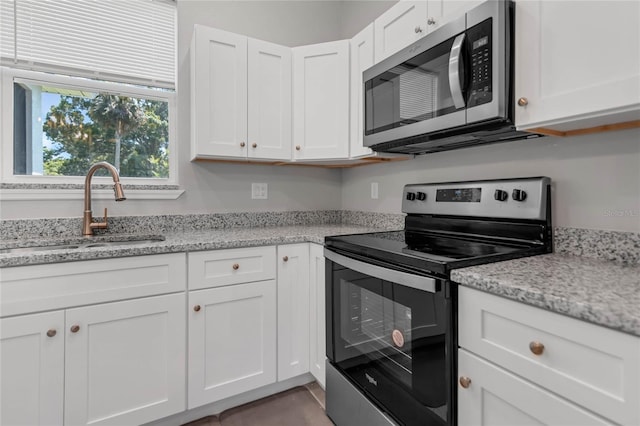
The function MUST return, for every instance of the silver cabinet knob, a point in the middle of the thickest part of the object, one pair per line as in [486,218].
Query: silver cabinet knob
[431,21]
[242,144]
[254,145]
[418,30]
[523,102]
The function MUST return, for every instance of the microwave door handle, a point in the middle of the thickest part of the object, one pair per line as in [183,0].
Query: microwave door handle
[455,56]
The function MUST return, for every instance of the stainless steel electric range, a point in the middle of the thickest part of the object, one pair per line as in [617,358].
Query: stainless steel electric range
[392,309]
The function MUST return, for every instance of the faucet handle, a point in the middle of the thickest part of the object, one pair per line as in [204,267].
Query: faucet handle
[101,225]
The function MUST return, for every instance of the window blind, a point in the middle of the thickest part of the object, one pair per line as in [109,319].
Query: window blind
[129,41]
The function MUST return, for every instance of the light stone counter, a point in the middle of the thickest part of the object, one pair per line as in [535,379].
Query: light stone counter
[593,290]
[211,239]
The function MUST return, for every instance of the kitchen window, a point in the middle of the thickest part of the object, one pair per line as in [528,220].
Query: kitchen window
[86,81]
[61,125]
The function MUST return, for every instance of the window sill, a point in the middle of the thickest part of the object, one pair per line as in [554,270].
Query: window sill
[38,192]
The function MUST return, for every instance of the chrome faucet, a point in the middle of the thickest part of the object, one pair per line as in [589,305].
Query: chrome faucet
[87,220]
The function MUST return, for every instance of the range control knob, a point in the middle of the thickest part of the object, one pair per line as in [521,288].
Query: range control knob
[519,195]
[421,196]
[501,195]
[411,196]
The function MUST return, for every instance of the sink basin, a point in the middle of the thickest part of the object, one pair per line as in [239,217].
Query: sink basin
[123,242]
[105,241]
[33,249]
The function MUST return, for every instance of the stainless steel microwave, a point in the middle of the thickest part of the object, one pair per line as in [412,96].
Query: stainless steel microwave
[451,89]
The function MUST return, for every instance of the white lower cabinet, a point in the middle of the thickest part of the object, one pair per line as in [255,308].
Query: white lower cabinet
[113,363]
[496,397]
[526,363]
[317,325]
[124,361]
[92,359]
[232,340]
[293,310]
[32,369]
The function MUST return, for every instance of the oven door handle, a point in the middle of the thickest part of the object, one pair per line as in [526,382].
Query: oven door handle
[417,282]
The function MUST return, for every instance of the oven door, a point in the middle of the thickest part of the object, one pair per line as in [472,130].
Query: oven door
[388,332]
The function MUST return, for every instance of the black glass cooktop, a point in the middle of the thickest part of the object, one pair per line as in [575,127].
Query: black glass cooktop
[427,252]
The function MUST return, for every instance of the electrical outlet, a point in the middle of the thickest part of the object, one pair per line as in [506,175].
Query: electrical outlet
[374,190]
[259,191]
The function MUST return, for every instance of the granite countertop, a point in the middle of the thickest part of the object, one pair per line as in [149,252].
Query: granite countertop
[175,242]
[597,291]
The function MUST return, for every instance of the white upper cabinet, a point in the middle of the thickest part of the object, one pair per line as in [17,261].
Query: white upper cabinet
[218,93]
[321,101]
[398,27]
[361,59]
[407,21]
[269,100]
[451,9]
[577,64]
[240,96]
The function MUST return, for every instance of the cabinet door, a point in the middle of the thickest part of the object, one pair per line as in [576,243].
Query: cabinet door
[495,397]
[218,93]
[577,63]
[125,361]
[398,27]
[361,59]
[293,310]
[269,113]
[232,340]
[317,331]
[321,101]
[449,9]
[32,369]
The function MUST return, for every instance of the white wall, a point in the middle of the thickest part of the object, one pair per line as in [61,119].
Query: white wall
[596,178]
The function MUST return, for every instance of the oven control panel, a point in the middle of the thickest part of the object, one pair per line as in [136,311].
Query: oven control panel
[521,198]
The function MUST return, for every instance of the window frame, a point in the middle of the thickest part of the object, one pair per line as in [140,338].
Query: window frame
[11,75]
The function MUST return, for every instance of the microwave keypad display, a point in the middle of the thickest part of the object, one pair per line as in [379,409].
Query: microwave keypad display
[480,88]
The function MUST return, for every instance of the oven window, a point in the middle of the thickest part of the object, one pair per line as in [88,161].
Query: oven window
[379,328]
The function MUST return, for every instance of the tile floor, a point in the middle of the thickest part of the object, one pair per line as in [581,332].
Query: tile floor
[300,406]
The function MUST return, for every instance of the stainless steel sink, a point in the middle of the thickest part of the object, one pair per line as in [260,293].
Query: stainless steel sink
[33,249]
[106,241]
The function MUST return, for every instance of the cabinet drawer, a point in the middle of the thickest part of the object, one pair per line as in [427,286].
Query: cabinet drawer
[591,365]
[223,267]
[36,288]
[497,397]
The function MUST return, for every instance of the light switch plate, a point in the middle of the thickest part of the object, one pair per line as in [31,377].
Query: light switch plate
[259,191]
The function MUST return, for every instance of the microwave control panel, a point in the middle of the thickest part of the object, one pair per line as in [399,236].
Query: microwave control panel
[480,87]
